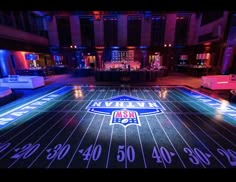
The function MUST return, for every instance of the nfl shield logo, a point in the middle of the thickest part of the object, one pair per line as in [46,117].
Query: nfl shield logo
[125,117]
[125,110]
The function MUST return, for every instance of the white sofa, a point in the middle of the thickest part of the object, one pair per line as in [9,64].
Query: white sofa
[22,82]
[6,95]
[219,82]
[5,91]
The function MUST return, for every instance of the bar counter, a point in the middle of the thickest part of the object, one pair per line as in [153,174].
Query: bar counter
[83,72]
[141,75]
[32,72]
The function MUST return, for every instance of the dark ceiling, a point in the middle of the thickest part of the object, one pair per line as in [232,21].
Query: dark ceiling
[67,13]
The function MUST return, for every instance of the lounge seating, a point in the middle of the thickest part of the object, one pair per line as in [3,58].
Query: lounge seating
[219,82]
[5,91]
[232,96]
[6,95]
[22,82]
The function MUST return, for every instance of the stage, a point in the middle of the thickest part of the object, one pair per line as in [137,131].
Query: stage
[119,127]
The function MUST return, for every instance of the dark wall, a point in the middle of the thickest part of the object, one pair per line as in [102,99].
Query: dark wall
[64,31]
[22,46]
[208,17]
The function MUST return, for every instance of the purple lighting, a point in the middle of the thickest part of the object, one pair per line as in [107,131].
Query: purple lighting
[227,60]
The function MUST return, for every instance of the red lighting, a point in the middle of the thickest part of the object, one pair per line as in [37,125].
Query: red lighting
[131,47]
[91,87]
[99,47]
[207,44]
[97,15]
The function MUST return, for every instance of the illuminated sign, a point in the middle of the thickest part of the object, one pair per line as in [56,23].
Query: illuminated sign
[11,116]
[31,57]
[57,58]
[125,110]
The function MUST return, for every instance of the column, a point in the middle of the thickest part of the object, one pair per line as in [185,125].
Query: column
[75,30]
[5,63]
[98,31]
[144,61]
[170,29]
[100,63]
[227,60]
[146,31]
[194,23]
[52,32]
[122,30]
[12,17]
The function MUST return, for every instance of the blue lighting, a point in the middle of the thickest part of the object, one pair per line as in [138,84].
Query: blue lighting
[11,116]
[143,47]
[31,57]
[214,103]
[156,18]
[115,47]
[178,46]
[3,61]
